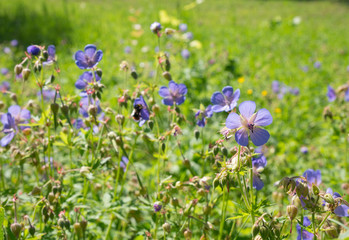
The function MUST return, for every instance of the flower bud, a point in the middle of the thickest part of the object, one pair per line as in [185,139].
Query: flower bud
[134,74]
[156,108]
[13,96]
[329,198]
[37,66]
[315,189]
[54,108]
[175,202]
[292,211]
[84,170]
[83,224]
[25,73]
[112,135]
[207,209]
[186,163]
[163,146]
[332,232]
[67,224]
[215,150]
[45,55]
[167,64]
[92,110]
[61,222]
[151,124]
[187,234]
[167,75]
[36,191]
[65,109]
[167,227]
[169,31]
[201,192]
[77,228]
[155,27]
[32,230]
[327,113]
[51,197]
[224,151]
[120,119]
[99,72]
[263,231]
[255,229]
[2,104]
[18,69]
[197,134]
[258,237]
[16,229]
[302,190]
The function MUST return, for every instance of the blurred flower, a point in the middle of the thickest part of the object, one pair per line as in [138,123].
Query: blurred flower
[86,79]
[124,162]
[241,79]
[48,94]
[85,104]
[277,110]
[188,36]
[183,27]
[4,71]
[157,206]
[304,150]
[317,64]
[174,94]
[155,27]
[14,43]
[296,20]
[305,68]
[294,91]
[127,50]
[258,163]
[275,85]
[51,50]
[331,94]
[302,233]
[89,58]
[202,115]
[341,210]
[7,50]
[226,101]
[195,44]
[4,87]
[34,50]
[249,124]
[346,95]
[185,53]
[264,93]
[15,116]
[313,177]
[249,91]
[140,113]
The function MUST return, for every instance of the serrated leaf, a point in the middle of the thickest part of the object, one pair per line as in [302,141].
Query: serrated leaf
[237,216]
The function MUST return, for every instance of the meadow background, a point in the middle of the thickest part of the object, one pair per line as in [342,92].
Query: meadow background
[244,44]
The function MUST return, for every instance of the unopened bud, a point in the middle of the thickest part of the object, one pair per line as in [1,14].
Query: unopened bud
[169,31]
[84,170]
[156,108]
[215,150]
[18,69]
[186,163]
[258,237]
[25,74]
[2,104]
[224,151]
[16,229]
[99,72]
[65,109]
[54,108]
[13,96]
[175,202]
[67,224]
[120,119]
[327,113]
[151,124]
[32,230]
[167,227]
[201,192]
[292,211]
[255,230]
[332,232]
[45,55]
[112,135]
[302,190]
[37,66]
[83,224]
[167,75]
[329,198]
[134,74]
[315,189]
[197,134]
[77,228]
[61,222]
[187,234]
[167,65]
[92,110]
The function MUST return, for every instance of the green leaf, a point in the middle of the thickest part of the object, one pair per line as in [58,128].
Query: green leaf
[237,216]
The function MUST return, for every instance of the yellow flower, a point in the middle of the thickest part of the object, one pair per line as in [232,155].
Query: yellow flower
[264,93]
[195,44]
[241,79]
[249,91]
[277,110]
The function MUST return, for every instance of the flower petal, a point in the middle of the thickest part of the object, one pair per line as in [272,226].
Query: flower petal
[7,139]
[25,114]
[241,137]
[217,98]
[80,60]
[173,87]
[259,136]
[346,96]
[180,100]
[331,94]
[247,108]
[228,91]
[80,84]
[164,92]
[145,114]
[257,182]
[233,121]
[51,50]
[263,118]
[342,211]
[218,108]
[15,110]
[98,56]
[236,95]
[167,101]
[90,50]
[201,122]
[182,89]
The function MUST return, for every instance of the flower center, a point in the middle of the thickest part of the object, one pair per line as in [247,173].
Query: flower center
[250,126]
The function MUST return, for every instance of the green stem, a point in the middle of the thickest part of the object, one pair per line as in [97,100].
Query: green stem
[323,221]
[314,225]
[222,214]
[251,196]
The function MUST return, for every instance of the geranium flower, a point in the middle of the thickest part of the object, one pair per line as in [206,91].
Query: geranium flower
[313,177]
[302,233]
[331,94]
[34,50]
[89,58]
[85,103]
[141,109]
[258,163]
[173,94]
[341,210]
[51,50]
[226,101]
[346,95]
[201,116]
[86,79]
[249,123]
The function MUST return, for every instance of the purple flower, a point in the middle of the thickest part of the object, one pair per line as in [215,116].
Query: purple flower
[34,50]
[313,177]
[89,58]
[48,94]
[258,163]
[86,79]
[51,50]
[185,54]
[124,162]
[302,233]
[305,68]
[174,94]
[202,115]
[183,27]
[140,113]
[248,124]
[127,49]
[304,150]
[85,103]
[341,210]
[4,87]
[294,91]
[331,94]
[189,36]
[7,50]
[226,101]
[346,95]
[14,43]
[157,206]
[317,64]
[15,116]
[4,71]
[155,27]
[275,85]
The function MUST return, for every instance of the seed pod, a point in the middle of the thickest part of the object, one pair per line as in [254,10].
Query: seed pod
[54,108]
[292,211]
[167,227]
[134,74]
[25,73]
[186,163]
[92,110]
[187,234]
[112,135]
[175,202]
[315,189]
[13,96]
[151,124]
[167,75]
[32,230]
[163,146]
[215,150]
[329,198]
[77,228]
[61,222]
[197,134]
[255,229]
[83,224]
[16,229]
[51,197]
[120,119]
[65,109]
[18,69]
[302,189]
[167,65]
[224,151]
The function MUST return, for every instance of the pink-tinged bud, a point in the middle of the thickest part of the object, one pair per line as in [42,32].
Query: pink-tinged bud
[292,211]
[167,227]
[187,234]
